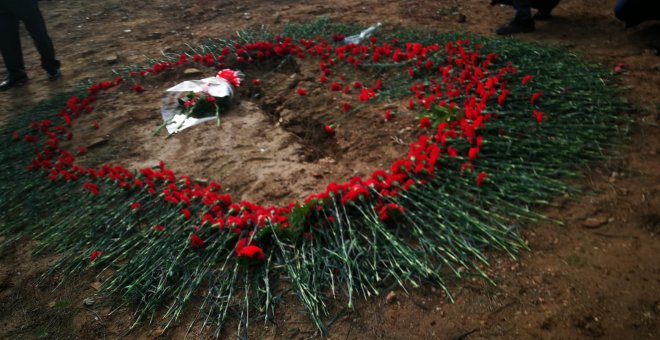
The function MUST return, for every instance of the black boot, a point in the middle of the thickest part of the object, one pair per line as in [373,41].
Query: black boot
[54,74]
[516,26]
[13,81]
[542,15]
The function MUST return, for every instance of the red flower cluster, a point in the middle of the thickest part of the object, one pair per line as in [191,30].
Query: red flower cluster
[465,84]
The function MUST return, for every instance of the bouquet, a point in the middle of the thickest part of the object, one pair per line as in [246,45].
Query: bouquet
[201,101]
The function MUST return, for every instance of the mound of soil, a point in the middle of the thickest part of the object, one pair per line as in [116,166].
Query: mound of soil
[271,147]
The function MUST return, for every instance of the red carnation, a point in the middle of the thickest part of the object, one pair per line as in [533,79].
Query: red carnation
[619,67]
[196,241]
[92,188]
[186,213]
[389,116]
[389,210]
[138,88]
[452,152]
[502,97]
[232,77]
[538,115]
[302,92]
[535,96]
[252,252]
[82,150]
[425,122]
[30,138]
[256,82]
[136,205]
[94,255]
[480,178]
[346,106]
[473,152]
[159,227]
[96,125]
[329,129]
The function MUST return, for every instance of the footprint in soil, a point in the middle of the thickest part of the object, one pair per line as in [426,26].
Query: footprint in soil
[317,143]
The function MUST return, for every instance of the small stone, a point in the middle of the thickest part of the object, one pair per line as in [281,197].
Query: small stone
[158,331]
[97,142]
[112,59]
[327,160]
[96,285]
[192,72]
[594,222]
[391,297]
[88,302]
[461,18]
[155,35]
[128,30]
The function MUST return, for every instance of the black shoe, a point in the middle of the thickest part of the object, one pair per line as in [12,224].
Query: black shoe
[13,81]
[542,15]
[516,26]
[54,74]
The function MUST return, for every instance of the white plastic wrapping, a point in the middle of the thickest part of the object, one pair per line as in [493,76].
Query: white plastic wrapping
[169,106]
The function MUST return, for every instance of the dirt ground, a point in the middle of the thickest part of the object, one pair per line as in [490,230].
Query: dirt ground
[584,279]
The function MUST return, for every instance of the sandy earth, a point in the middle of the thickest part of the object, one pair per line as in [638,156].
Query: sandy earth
[577,282]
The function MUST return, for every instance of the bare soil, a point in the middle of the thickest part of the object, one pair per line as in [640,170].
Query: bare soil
[580,280]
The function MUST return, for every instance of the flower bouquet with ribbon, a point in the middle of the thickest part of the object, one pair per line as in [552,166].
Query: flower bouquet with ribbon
[197,101]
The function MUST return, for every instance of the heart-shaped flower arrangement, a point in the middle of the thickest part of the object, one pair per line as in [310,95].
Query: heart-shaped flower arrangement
[423,216]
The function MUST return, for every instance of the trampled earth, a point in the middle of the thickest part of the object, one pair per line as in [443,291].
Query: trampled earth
[597,275]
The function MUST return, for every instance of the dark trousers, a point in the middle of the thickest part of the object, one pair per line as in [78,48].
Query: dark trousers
[634,12]
[27,11]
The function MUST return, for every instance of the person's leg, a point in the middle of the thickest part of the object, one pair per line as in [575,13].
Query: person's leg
[523,10]
[10,45]
[522,22]
[545,7]
[28,12]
